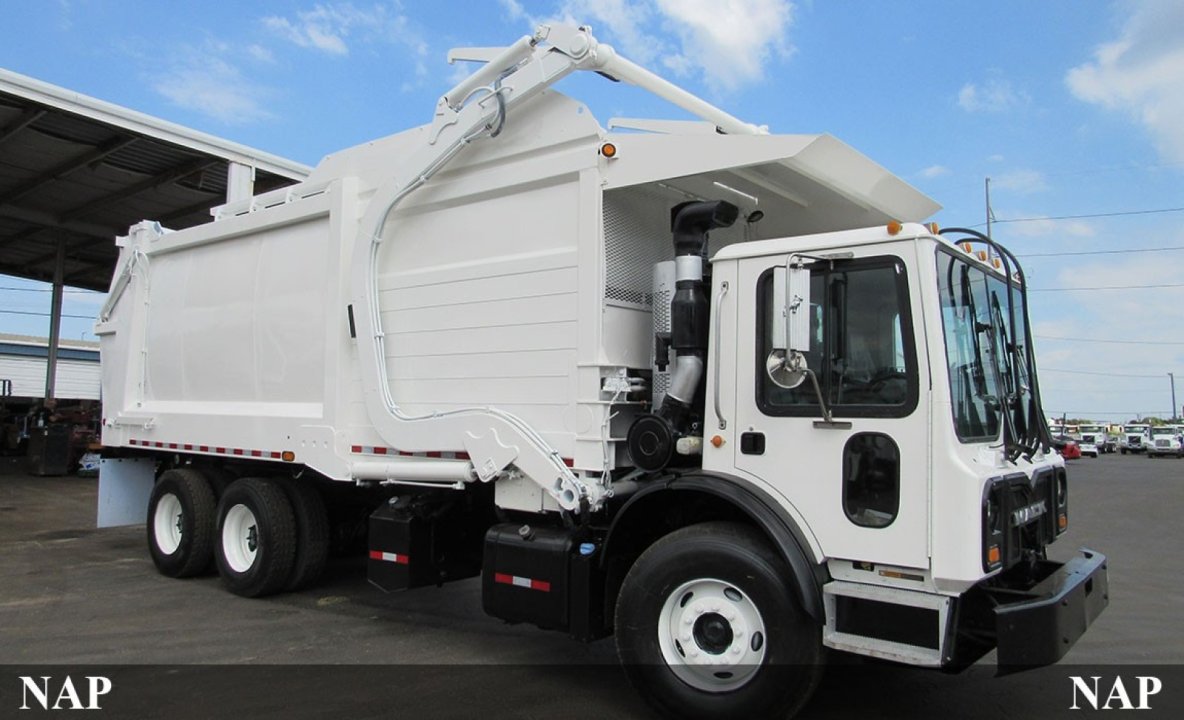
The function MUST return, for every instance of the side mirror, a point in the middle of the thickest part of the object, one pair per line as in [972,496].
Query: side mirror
[791,307]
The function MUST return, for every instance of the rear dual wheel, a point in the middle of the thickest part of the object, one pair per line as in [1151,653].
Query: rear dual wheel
[181,512]
[272,536]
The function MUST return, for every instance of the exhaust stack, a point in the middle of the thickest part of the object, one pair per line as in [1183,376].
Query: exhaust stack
[653,436]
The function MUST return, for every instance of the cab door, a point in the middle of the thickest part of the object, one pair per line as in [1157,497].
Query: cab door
[860,482]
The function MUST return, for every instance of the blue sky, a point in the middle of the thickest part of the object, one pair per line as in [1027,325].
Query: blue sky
[1071,108]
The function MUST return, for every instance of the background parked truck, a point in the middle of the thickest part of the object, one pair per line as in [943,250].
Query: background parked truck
[706,389]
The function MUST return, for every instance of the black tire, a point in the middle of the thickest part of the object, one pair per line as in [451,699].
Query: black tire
[187,552]
[312,533]
[256,542]
[738,556]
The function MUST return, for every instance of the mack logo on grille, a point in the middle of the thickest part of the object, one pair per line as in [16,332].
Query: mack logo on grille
[1029,513]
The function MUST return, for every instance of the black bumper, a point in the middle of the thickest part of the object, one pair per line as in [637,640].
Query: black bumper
[1041,627]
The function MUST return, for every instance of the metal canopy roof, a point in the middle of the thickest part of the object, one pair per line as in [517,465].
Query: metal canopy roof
[80,170]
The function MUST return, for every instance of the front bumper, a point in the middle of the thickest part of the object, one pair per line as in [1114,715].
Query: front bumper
[1050,616]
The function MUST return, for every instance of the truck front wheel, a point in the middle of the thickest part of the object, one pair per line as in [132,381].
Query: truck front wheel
[256,545]
[707,626]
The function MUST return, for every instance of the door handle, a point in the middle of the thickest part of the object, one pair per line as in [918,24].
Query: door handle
[752,443]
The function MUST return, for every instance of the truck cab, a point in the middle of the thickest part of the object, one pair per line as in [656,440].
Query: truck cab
[1095,440]
[1134,438]
[912,342]
[1164,441]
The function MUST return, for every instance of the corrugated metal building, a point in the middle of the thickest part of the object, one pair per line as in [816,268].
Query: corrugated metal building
[23,360]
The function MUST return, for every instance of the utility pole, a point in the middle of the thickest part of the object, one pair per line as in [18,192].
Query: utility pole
[1175,413]
[990,213]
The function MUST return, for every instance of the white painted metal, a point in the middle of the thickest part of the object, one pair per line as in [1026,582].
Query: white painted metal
[708,667]
[488,302]
[886,649]
[141,124]
[240,538]
[240,182]
[125,485]
[167,524]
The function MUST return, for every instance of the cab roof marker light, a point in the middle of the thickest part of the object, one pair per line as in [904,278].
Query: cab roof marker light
[894,227]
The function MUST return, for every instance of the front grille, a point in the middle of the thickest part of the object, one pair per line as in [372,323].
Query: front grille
[1163,443]
[1028,512]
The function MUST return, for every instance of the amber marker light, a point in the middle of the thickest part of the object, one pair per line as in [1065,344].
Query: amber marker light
[993,555]
[608,150]
[1063,521]
[717,441]
[288,456]
[894,227]
[933,228]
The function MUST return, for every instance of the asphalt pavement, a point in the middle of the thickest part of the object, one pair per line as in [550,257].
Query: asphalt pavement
[73,595]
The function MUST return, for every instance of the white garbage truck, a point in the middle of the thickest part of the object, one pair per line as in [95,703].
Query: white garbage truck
[710,390]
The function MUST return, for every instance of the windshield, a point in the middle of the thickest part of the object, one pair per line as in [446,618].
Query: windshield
[1163,431]
[1134,428]
[986,353]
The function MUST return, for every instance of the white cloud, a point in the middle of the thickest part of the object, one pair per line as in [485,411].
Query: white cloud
[994,95]
[261,54]
[203,82]
[1021,181]
[935,171]
[1142,73]
[729,42]
[328,27]
[514,10]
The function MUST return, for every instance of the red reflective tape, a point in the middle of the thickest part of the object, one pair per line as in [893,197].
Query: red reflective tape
[356,448]
[256,453]
[172,446]
[462,456]
[236,451]
[433,454]
[203,448]
[275,455]
[390,557]
[569,462]
[132,442]
[522,582]
[159,444]
[187,446]
[404,453]
[220,451]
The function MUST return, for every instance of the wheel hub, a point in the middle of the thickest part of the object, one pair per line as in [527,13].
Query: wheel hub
[711,635]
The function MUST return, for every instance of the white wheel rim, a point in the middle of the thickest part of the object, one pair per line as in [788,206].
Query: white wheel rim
[166,523]
[240,538]
[711,635]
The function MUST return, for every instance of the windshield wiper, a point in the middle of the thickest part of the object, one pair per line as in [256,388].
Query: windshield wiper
[1035,420]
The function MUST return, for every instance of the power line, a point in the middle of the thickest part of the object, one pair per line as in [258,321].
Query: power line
[45,290]
[1114,342]
[45,314]
[1109,287]
[1102,252]
[1103,374]
[1123,213]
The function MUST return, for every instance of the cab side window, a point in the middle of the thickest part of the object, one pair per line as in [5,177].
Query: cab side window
[861,342]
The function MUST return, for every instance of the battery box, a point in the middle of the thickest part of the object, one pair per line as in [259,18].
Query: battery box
[416,545]
[543,576]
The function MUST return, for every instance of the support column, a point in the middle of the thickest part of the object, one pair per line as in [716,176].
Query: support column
[55,319]
[240,182]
